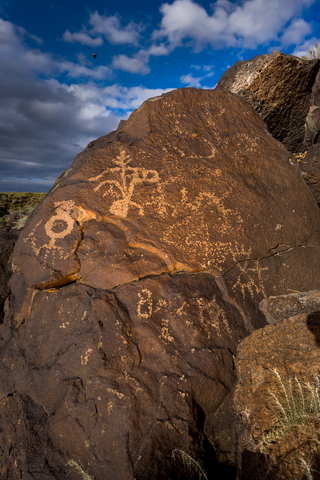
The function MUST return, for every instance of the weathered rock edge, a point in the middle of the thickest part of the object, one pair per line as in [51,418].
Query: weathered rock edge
[135,281]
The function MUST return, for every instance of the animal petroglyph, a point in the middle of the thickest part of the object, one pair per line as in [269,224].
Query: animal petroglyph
[250,277]
[59,226]
[128,178]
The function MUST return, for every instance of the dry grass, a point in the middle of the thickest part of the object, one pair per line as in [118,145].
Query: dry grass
[77,467]
[190,463]
[297,407]
[313,53]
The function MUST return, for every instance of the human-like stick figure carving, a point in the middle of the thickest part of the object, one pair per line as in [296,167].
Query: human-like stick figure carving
[129,178]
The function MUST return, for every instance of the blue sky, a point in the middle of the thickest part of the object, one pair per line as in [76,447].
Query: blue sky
[55,97]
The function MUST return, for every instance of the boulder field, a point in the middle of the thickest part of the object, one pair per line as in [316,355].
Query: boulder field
[135,281]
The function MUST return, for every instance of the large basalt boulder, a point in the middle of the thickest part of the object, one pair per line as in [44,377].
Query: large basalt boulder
[291,345]
[136,280]
[310,169]
[285,91]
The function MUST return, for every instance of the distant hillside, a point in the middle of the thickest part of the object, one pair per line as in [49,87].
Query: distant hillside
[15,208]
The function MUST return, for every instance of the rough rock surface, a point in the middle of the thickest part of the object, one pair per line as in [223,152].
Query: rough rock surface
[291,347]
[135,281]
[310,169]
[285,91]
[14,210]
[277,309]
[8,239]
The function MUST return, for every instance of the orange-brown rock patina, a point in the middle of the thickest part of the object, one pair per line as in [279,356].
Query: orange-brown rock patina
[192,182]
[292,347]
[135,281]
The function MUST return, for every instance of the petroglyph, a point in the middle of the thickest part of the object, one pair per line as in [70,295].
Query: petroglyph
[160,304]
[129,177]
[191,229]
[165,335]
[59,226]
[250,278]
[211,314]
[145,304]
[85,357]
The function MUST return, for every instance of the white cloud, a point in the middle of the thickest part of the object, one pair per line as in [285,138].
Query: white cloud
[107,26]
[136,64]
[82,38]
[18,59]
[156,50]
[295,32]
[113,31]
[302,50]
[191,81]
[10,34]
[248,25]
[37,39]
[75,70]
[44,123]
[119,97]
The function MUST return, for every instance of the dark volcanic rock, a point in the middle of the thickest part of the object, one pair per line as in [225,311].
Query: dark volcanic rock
[14,210]
[8,239]
[277,309]
[292,347]
[137,278]
[310,169]
[285,91]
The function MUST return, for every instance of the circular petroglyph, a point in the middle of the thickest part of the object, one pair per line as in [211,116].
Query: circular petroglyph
[55,222]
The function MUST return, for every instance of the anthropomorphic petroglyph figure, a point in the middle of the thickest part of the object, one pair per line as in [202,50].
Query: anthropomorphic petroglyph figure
[129,177]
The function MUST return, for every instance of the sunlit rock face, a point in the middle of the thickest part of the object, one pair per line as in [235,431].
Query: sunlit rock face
[136,279]
[289,344]
[285,91]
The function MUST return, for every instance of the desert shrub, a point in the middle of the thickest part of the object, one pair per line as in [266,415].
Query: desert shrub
[77,467]
[189,463]
[313,53]
[297,407]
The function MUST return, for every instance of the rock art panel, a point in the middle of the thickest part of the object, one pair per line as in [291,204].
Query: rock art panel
[162,201]
[129,177]
[138,277]
[129,374]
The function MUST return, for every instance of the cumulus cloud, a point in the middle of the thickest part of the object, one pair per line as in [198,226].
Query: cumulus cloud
[108,27]
[138,63]
[296,32]
[248,25]
[135,64]
[302,50]
[82,38]
[191,81]
[45,123]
